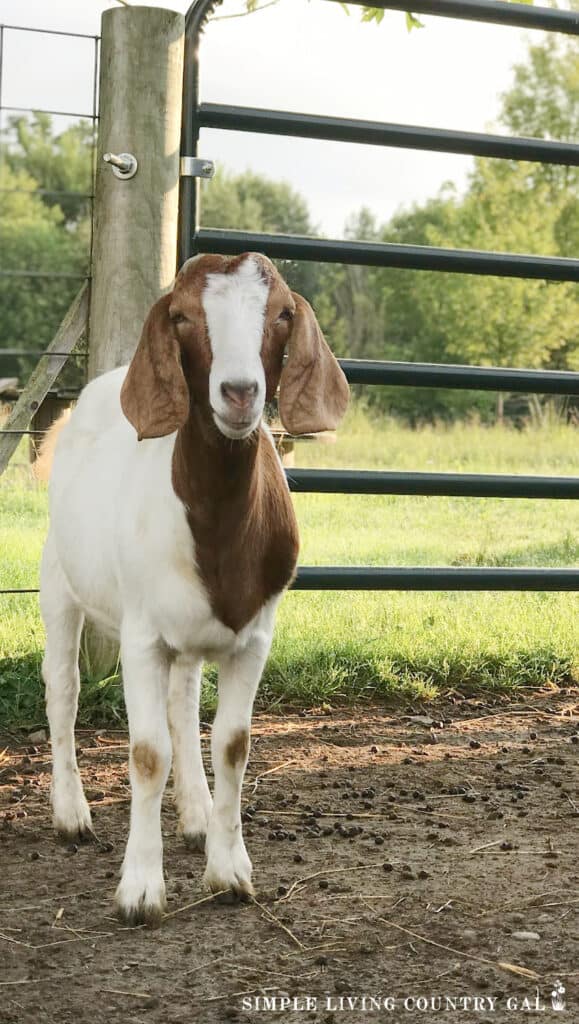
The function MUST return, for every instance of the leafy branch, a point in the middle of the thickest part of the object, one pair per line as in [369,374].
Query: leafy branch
[377,13]
[368,13]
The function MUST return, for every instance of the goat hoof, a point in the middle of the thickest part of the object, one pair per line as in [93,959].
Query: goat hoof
[236,890]
[195,841]
[140,901]
[142,914]
[78,835]
[75,826]
[235,896]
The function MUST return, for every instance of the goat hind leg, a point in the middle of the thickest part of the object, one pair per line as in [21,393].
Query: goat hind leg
[192,795]
[63,621]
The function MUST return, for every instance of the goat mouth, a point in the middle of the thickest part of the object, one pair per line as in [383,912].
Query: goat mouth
[234,429]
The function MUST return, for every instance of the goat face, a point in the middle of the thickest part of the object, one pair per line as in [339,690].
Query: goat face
[218,340]
[247,309]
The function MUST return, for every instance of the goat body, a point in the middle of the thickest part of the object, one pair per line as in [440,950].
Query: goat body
[122,537]
[172,528]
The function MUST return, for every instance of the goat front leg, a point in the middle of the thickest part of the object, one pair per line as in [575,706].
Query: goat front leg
[140,895]
[228,864]
[192,795]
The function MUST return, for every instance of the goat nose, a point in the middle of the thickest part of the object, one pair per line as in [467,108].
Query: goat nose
[239,392]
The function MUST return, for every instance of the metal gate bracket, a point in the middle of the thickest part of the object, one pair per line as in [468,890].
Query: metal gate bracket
[196,167]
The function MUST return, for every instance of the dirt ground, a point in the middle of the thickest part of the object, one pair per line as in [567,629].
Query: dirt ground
[397,860]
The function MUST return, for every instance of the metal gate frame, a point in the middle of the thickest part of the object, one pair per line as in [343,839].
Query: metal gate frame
[193,239]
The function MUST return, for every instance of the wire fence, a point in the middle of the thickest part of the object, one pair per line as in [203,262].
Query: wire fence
[16,36]
[11,36]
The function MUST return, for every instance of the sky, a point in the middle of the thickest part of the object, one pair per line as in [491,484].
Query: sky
[302,55]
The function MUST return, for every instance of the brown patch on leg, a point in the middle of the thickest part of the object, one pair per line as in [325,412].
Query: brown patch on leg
[146,760]
[237,749]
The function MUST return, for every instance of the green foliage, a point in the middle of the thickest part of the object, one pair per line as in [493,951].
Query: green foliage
[58,162]
[44,231]
[413,22]
[506,322]
[376,14]
[544,102]
[250,202]
[33,236]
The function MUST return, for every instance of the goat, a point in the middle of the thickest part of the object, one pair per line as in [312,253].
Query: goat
[172,529]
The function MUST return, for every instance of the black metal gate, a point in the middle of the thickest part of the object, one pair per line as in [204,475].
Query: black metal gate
[193,239]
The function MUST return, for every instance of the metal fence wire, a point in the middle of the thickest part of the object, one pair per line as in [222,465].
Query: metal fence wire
[92,116]
[6,34]
[193,239]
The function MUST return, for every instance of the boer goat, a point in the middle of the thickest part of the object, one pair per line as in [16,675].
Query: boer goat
[172,529]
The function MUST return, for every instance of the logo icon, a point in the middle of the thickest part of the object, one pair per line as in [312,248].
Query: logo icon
[558,996]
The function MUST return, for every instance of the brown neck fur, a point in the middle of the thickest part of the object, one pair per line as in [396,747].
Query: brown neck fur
[240,514]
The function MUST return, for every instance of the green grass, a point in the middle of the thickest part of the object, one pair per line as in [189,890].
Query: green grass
[332,647]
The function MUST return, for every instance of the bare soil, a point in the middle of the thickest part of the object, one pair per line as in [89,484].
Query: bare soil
[394,859]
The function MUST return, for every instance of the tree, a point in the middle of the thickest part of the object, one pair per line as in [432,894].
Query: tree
[505,321]
[350,299]
[250,202]
[544,102]
[59,163]
[508,206]
[33,237]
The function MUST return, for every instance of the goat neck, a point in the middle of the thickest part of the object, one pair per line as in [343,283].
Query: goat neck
[240,515]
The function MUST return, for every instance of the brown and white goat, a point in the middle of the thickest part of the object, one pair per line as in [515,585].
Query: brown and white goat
[172,528]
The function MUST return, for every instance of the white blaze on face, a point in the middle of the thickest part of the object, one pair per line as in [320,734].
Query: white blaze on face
[234,306]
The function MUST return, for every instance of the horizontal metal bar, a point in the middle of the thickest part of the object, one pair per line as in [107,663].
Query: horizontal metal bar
[42,273]
[64,394]
[22,432]
[337,577]
[476,378]
[57,113]
[46,192]
[459,485]
[494,11]
[374,254]
[374,133]
[49,32]
[19,591]
[40,355]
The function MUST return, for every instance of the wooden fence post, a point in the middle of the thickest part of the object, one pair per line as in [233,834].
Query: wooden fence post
[135,224]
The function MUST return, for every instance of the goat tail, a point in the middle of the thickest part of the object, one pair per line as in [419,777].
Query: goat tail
[43,463]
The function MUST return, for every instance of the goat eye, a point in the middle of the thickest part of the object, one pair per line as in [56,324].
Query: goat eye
[285,315]
[177,318]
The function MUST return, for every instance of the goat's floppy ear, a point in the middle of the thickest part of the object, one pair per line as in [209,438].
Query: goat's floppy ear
[154,395]
[314,392]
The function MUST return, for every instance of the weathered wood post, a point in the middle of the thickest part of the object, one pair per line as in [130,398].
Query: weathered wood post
[135,218]
[135,223]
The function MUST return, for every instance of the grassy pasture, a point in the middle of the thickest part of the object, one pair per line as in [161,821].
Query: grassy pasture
[332,647]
